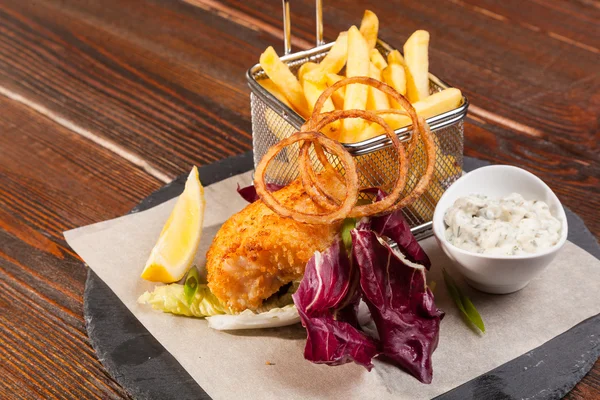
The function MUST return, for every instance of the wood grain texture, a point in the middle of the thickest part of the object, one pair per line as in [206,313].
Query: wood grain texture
[166,83]
[115,97]
[539,95]
[52,180]
[521,75]
[576,183]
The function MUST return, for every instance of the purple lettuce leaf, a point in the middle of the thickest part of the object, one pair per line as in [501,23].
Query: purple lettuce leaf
[326,301]
[347,310]
[395,227]
[326,280]
[249,194]
[335,342]
[400,303]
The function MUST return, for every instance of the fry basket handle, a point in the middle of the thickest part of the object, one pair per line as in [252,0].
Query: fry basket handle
[287,25]
[319,22]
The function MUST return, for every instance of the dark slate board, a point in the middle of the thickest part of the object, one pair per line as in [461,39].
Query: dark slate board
[147,371]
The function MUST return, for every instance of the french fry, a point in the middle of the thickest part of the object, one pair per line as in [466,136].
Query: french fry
[335,78]
[304,69]
[285,81]
[376,99]
[394,75]
[355,49]
[336,58]
[369,27]
[446,167]
[273,120]
[281,131]
[436,104]
[416,56]
[333,62]
[313,91]
[338,96]
[378,59]
[274,90]
[394,57]
[356,94]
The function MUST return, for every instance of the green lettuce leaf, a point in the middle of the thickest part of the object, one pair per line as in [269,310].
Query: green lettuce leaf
[278,310]
[172,299]
[275,317]
[281,301]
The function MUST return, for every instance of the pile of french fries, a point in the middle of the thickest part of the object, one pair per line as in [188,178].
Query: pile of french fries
[355,54]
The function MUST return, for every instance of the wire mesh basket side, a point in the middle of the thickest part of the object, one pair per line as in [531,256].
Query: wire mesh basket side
[376,163]
[376,169]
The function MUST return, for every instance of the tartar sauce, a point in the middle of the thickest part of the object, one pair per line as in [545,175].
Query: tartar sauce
[508,226]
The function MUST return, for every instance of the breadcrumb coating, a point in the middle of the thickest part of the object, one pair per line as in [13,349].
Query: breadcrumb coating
[256,251]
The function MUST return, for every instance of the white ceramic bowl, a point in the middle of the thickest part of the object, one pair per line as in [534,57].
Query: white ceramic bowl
[499,274]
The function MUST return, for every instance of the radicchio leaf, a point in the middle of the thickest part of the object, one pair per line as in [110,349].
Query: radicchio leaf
[249,194]
[326,280]
[347,310]
[401,305]
[327,287]
[395,227]
[334,342]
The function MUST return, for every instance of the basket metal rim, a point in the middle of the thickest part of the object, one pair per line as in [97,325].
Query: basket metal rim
[420,232]
[366,146]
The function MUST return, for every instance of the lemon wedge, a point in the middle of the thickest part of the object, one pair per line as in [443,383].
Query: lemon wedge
[176,247]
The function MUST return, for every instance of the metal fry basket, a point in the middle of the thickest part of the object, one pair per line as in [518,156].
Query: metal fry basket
[272,121]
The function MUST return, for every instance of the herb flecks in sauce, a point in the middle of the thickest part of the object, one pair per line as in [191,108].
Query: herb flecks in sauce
[507,226]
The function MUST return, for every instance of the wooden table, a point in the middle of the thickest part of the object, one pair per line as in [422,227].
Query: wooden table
[105,101]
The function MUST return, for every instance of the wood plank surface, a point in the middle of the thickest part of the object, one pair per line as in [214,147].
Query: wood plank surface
[540,96]
[166,84]
[540,86]
[52,180]
[103,102]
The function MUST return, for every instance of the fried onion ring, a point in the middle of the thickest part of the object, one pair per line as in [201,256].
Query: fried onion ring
[367,209]
[421,187]
[412,141]
[314,192]
[318,121]
[332,146]
[320,197]
[309,134]
[414,138]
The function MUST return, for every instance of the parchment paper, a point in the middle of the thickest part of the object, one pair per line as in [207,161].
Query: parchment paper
[234,365]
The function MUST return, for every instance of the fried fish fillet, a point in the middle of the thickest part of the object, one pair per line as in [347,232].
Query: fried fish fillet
[256,251]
